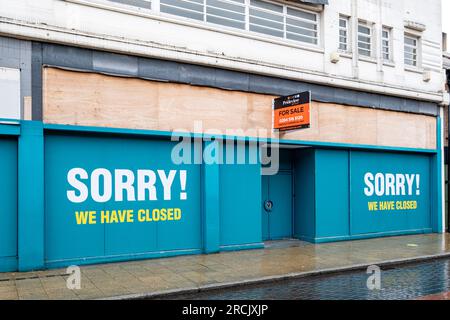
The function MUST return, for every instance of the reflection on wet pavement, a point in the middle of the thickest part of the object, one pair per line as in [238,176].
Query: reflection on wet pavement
[429,280]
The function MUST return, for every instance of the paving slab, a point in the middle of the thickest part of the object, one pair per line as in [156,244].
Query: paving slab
[279,260]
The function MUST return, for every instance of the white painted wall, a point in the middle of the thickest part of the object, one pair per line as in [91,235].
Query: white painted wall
[106,25]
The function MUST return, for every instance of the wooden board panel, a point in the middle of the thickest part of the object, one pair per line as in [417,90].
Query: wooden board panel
[91,99]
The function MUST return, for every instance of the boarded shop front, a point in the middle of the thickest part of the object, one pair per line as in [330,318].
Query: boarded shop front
[109,197]
[97,181]
[361,194]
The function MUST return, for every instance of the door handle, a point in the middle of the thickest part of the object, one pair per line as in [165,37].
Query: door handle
[268,206]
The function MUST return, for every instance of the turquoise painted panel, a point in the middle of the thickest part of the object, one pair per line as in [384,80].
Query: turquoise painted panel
[211,197]
[390,192]
[332,193]
[137,187]
[31,196]
[277,223]
[280,218]
[304,190]
[264,214]
[240,203]
[8,199]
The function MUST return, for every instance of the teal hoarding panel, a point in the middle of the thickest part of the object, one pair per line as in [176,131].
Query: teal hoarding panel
[264,214]
[8,199]
[211,196]
[240,201]
[31,196]
[304,189]
[390,192]
[332,193]
[280,217]
[138,201]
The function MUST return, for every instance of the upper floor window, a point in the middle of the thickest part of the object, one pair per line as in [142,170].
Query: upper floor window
[344,33]
[411,50]
[386,44]
[267,18]
[302,25]
[227,13]
[259,16]
[146,4]
[193,9]
[365,39]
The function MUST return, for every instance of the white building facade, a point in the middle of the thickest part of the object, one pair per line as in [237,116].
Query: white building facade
[292,40]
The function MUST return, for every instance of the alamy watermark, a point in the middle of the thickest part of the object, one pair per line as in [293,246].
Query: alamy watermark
[374,279]
[231,147]
[73,282]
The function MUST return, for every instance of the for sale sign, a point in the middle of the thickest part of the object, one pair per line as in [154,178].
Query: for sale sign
[292,112]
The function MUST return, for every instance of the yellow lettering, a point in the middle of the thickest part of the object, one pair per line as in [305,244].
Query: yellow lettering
[177,214]
[155,215]
[81,217]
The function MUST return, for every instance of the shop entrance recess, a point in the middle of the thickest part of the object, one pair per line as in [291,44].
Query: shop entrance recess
[277,195]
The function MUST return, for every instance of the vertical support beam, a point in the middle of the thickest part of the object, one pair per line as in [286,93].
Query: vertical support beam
[442,167]
[31,196]
[447,202]
[437,189]
[211,206]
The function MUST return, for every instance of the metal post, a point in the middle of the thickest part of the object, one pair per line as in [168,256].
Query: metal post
[448,155]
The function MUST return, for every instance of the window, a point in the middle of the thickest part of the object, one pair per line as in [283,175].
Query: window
[411,50]
[146,4]
[365,39]
[284,22]
[10,93]
[266,18]
[230,13]
[192,9]
[301,26]
[344,23]
[263,17]
[386,44]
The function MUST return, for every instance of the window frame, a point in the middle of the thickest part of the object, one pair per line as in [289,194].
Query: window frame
[417,39]
[389,46]
[371,43]
[348,37]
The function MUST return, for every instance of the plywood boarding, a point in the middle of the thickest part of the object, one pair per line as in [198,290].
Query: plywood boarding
[91,99]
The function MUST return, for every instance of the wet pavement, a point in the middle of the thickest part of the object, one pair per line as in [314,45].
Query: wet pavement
[146,278]
[427,281]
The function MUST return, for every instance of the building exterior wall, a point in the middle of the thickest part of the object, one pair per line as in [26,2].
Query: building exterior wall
[109,83]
